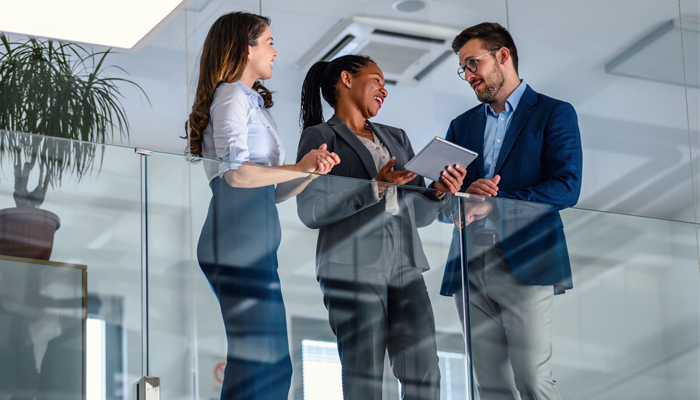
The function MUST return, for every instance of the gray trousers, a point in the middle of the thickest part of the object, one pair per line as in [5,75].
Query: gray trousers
[511,330]
[381,309]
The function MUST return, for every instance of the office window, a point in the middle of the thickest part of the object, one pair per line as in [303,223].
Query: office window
[321,372]
[453,376]
[95,359]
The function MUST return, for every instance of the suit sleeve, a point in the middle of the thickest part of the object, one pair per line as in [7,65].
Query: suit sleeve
[563,162]
[327,200]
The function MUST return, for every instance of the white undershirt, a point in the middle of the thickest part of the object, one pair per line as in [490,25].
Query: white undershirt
[381,156]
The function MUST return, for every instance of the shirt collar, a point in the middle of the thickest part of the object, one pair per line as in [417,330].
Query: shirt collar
[252,94]
[512,101]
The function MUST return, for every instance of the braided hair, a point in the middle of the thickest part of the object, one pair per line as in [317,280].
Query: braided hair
[321,80]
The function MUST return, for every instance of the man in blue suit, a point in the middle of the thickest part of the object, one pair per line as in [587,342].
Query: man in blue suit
[529,149]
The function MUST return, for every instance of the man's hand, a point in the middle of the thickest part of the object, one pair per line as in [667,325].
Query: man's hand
[474,210]
[485,187]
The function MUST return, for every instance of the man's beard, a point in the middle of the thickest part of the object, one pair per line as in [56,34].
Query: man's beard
[491,87]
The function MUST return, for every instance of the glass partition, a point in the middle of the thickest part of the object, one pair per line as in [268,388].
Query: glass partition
[618,330]
[687,28]
[614,325]
[70,277]
[184,329]
[293,280]
[631,325]
[630,150]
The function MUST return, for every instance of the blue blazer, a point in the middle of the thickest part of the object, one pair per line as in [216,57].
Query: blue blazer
[540,161]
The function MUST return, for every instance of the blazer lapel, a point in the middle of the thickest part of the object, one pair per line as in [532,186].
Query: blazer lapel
[475,141]
[526,106]
[391,145]
[354,142]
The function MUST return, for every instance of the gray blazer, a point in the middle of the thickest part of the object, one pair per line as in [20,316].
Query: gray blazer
[350,218]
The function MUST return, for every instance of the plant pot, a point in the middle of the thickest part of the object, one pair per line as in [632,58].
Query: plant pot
[27,232]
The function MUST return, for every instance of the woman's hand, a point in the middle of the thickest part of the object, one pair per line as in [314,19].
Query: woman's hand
[396,177]
[326,162]
[452,182]
[319,161]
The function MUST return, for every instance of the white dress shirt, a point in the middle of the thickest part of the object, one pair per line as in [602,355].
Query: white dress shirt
[240,129]
[381,156]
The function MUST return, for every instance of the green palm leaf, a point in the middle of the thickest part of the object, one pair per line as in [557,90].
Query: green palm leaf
[56,89]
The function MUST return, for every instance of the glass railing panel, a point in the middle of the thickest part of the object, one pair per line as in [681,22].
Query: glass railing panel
[359,255]
[632,154]
[178,292]
[514,261]
[627,326]
[631,325]
[688,20]
[280,334]
[70,269]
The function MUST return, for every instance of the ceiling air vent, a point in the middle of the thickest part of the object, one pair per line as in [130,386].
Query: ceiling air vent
[406,51]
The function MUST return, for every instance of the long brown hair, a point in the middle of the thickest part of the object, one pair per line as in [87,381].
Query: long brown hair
[224,58]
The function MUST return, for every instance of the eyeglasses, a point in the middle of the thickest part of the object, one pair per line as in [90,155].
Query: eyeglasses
[471,65]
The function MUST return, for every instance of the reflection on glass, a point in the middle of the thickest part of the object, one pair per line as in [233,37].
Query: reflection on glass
[41,329]
[19,377]
[237,252]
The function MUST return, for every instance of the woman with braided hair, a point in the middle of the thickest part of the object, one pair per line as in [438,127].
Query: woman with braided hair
[369,256]
[237,250]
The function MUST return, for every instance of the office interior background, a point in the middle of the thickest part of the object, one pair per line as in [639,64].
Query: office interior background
[629,329]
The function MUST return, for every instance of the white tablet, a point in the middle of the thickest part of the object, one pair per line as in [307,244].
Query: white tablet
[436,156]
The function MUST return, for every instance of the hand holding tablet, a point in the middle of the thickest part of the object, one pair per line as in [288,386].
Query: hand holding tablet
[436,156]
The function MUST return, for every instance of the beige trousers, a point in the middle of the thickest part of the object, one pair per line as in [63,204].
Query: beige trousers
[511,330]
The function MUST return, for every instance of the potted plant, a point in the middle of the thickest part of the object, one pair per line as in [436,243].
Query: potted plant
[50,89]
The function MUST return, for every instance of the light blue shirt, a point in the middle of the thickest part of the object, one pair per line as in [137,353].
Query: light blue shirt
[496,127]
[494,134]
[240,129]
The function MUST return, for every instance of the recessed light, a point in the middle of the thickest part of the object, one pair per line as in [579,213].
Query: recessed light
[408,5]
[109,23]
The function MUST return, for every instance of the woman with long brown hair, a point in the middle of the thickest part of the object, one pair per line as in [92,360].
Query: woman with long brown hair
[237,250]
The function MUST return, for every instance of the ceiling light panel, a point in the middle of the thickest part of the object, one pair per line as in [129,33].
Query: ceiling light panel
[114,23]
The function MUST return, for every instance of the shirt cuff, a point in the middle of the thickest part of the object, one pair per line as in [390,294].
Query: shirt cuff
[236,158]
[375,189]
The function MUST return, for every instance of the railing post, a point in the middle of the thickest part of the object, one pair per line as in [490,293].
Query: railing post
[462,197]
[148,386]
